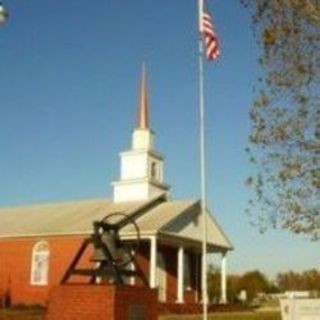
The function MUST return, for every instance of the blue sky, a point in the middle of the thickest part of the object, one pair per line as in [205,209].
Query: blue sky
[69,75]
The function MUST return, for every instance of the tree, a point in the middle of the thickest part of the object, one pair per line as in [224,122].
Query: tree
[254,282]
[290,281]
[233,287]
[214,285]
[308,280]
[311,280]
[285,117]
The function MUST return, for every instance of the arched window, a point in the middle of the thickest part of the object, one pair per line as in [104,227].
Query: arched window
[40,264]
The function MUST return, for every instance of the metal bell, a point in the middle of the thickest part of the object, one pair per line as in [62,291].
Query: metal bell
[98,255]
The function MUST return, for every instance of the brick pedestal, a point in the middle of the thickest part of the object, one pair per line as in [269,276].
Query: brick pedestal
[102,302]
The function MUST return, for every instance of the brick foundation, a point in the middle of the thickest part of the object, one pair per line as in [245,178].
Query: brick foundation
[102,302]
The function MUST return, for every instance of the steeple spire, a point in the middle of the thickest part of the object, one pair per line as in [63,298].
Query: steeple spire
[141,171]
[143,107]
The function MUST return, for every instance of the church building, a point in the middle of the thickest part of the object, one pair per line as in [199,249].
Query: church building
[38,242]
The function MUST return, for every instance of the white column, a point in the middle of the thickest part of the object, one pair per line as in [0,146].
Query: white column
[180,271]
[153,262]
[223,298]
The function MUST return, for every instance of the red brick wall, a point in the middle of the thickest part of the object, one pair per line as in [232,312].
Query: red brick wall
[72,302]
[100,302]
[193,293]
[170,256]
[142,259]
[15,267]
[127,296]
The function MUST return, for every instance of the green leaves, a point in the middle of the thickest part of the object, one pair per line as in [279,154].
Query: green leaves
[285,117]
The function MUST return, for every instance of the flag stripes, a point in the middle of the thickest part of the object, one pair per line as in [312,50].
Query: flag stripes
[209,37]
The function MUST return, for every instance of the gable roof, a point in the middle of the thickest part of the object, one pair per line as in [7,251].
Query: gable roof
[180,219]
[188,225]
[60,218]
[156,216]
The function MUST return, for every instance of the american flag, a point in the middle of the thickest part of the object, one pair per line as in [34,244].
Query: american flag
[209,36]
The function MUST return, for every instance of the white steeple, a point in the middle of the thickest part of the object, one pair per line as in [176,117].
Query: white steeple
[141,168]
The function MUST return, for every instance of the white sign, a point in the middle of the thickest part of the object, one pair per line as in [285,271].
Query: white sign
[243,295]
[300,309]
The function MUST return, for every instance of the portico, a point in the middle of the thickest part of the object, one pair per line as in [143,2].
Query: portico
[184,270]
[173,229]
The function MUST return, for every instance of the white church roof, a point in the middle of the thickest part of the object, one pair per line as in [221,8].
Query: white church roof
[59,218]
[154,217]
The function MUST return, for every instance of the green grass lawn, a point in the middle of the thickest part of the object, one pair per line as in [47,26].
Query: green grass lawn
[35,314]
[231,316]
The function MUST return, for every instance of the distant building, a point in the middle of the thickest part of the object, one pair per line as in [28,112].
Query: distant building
[297,294]
[289,295]
[38,242]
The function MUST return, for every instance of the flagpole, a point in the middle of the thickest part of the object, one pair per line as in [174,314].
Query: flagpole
[202,168]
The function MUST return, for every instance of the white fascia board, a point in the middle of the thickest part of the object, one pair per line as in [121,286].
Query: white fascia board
[146,235]
[177,239]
